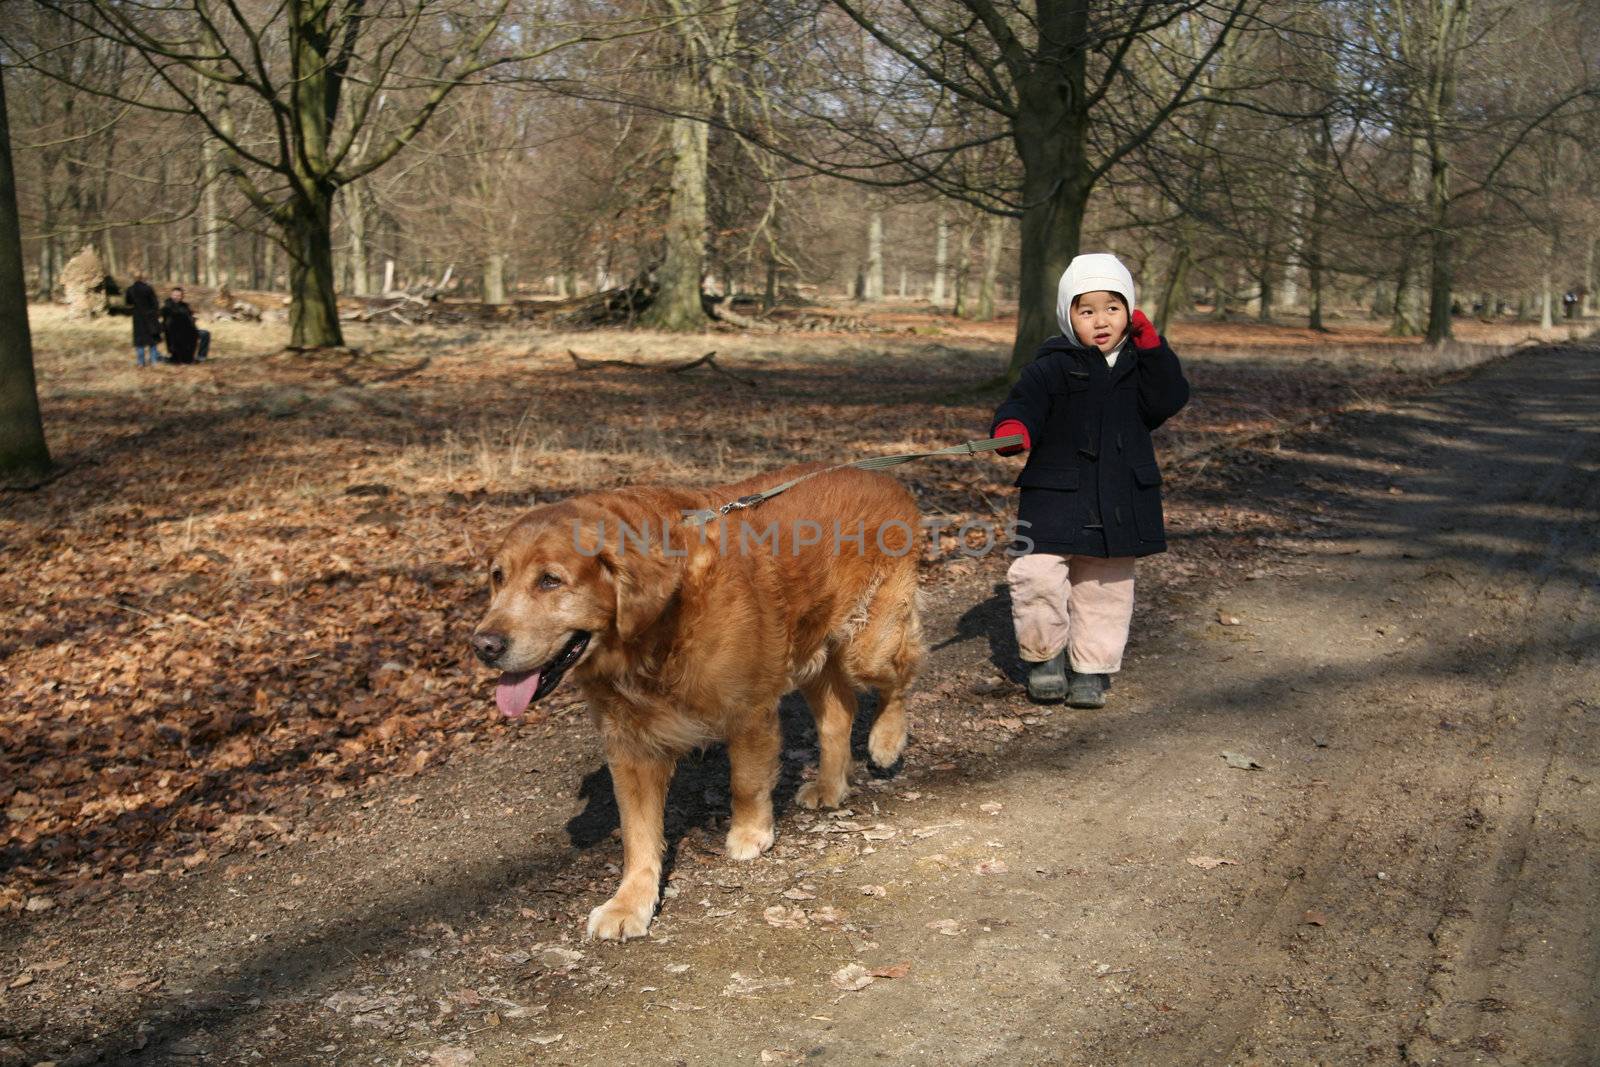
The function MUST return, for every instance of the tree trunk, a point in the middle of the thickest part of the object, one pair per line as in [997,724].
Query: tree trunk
[1440,280]
[355,213]
[1051,228]
[1314,275]
[1407,298]
[994,239]
[941,257]
[1051,134]
[1313,261]
[677,305]
[24,455]
[211,270]
[1447,40]
[313,303]
[1587,307]
[494,278]
[874,279]
[1547,303]
[269,265]
[963,279]
[1265,295]
[1172,297]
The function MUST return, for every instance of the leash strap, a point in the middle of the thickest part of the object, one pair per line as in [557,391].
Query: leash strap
[871,463]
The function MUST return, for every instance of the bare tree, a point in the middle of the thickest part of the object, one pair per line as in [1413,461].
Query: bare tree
[23,451]
[1052,78]
[296,86]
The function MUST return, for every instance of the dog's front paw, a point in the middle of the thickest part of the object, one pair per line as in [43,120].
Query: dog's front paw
[618,919]
[746,843]
[816,795]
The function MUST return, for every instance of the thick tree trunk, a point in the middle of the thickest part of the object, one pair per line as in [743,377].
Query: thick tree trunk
[1051,134]
[941,259]
[1407,319]
[874,279]
[24,454]
[313,303]
[677,305]
[1051,228]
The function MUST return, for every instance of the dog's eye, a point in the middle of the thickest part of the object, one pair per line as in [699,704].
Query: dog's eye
[496,575]
[548,581]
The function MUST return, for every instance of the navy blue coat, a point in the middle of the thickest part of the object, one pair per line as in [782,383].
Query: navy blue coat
[1091,486]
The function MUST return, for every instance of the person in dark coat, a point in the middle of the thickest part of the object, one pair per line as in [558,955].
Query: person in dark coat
[186,342]
[1091,488]
[146,320]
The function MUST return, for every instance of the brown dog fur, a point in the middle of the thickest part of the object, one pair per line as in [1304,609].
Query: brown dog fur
[695,640]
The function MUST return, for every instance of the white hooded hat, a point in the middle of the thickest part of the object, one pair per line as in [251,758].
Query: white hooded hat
[1087,274]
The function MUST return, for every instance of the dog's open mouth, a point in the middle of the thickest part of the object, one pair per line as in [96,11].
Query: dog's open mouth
[518,689]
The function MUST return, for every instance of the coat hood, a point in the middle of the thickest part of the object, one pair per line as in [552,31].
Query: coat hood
[1087,274]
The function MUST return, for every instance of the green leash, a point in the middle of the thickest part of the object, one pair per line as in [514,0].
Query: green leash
[871,463]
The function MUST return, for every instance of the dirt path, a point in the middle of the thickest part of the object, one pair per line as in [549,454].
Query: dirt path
[1409,876]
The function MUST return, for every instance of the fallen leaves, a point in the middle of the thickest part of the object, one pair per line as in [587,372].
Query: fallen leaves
[853,977]
[785,918]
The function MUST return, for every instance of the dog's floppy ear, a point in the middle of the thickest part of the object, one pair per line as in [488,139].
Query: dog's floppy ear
[644,578]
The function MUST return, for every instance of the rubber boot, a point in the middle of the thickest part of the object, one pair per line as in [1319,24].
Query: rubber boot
[1087,690]
[1048,680]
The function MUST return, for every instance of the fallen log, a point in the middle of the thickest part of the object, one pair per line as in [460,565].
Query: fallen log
[709,360]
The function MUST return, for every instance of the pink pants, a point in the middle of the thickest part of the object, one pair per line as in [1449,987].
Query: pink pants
[1080,603]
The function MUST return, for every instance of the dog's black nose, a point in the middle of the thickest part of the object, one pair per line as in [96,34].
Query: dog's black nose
[489,647]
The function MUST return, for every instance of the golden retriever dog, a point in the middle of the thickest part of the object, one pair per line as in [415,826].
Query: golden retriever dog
[680,635]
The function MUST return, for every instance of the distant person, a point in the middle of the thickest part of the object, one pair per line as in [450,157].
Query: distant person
[146,320]
[1569,304]
[186,342]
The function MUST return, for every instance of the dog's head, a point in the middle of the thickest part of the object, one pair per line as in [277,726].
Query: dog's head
[568,581]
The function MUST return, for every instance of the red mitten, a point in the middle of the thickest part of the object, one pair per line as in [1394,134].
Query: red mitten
[1006,429]
[1144,334]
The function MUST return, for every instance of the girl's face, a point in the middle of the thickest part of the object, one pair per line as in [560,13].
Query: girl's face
[1100,319]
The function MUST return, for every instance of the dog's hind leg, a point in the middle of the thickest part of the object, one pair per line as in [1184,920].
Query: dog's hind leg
[641,789]
[753,758]
[885,655]
[833,703]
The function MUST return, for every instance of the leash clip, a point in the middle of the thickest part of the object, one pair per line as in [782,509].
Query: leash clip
[739,505]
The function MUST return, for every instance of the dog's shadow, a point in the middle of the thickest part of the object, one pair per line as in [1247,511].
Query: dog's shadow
[699,798]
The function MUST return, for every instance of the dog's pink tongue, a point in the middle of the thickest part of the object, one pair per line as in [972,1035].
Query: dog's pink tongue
[515,692]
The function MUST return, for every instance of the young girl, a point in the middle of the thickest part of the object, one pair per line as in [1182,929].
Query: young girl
[1091,489]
